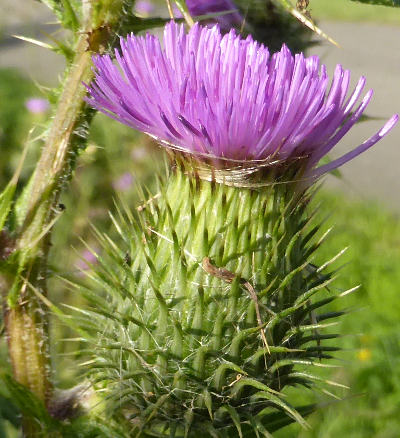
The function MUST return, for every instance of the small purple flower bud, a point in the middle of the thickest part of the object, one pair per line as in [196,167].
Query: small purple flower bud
[87,257]
[123,183]
[37,105]
[144,7]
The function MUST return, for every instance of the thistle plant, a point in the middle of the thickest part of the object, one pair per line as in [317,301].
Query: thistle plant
[206,305]
[211,306]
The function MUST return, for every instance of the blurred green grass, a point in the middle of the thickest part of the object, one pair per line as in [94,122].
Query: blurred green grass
[371,360]
[346,10]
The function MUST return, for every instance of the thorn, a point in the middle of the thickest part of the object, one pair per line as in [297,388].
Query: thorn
[33,41]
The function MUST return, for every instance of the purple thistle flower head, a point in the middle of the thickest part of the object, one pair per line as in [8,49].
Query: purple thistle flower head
[204,7]
[223,96]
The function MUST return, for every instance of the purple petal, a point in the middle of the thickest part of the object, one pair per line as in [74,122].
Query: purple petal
[357,151]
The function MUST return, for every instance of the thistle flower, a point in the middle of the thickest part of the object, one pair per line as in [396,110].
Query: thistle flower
[227,97]
[204,7]
[209,307]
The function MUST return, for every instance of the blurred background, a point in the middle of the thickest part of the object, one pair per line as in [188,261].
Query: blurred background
[362,203]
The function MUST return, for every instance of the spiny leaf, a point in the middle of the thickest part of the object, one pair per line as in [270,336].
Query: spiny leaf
[219,376]
[27,402]
[282,404]
[258,427]
[9,412]
[34,41]
[274,421]
[292,362]
[241,383]
[60,47]
[263,351]
[308,294]
[58,312]
[69,18]
[211,430]
[6,200]
[234,415]
[319,379]
[208,402]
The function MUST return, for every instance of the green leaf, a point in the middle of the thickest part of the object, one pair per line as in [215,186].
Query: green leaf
[60,47]
[9,412]
[69,18]
[208,402]
[241,383]
[235,417]
[276,420]
[6,197]
[137,24]
[70,322]
[258,427]
[392,3]
[161,316]
[28,403]
[219,377]
[292,412]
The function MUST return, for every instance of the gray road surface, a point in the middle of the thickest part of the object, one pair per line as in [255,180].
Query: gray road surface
[28,18]
[373,51]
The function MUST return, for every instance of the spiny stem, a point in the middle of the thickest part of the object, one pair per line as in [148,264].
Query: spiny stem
[26,323]
[25,320]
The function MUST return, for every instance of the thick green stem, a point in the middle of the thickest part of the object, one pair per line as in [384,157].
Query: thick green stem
[26,321]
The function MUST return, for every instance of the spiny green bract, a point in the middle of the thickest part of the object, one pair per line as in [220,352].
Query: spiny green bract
[177,342]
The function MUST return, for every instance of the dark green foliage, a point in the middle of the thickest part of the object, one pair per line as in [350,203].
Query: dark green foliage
[26,403]
[393,3]
[8,415]
[372,335]
[177,348]
[269,23]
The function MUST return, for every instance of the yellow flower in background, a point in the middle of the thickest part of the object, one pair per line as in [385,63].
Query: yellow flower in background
[364,354]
